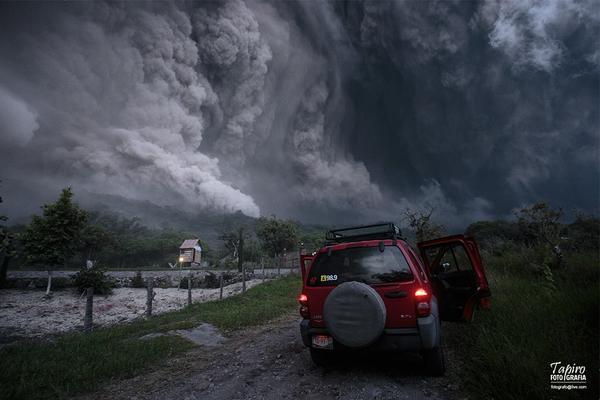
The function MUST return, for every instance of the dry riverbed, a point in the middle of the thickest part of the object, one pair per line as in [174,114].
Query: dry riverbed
[27,314]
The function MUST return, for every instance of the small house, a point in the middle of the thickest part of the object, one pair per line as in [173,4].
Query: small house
[190,251]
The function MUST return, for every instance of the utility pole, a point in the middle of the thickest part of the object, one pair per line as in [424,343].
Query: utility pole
[240,249]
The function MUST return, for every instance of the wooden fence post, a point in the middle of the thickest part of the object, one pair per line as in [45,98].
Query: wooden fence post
[89,308]
[221,287]
[149,298]
[243,278]
[190,289]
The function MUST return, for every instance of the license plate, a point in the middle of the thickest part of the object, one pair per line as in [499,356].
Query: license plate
[322,342]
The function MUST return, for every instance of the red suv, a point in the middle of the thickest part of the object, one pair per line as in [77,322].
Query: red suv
[367,288]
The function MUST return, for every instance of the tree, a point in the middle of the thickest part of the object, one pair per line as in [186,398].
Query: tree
[277,235]
[93,239]
[55,236]
[230,242]
[422,225]
[540,226]
[252,249]
[234,244]
[492,235]
[7,250]
[584,232]
[312,241]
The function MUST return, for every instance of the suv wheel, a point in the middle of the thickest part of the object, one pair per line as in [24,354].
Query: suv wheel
[435,363]
[321,358]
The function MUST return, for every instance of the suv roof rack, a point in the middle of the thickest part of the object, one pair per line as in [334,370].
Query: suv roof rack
[385,230]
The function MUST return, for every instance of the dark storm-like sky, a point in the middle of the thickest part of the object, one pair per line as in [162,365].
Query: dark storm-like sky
[320,111]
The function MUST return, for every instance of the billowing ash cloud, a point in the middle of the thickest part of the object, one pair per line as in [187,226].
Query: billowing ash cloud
[532,34]
[323,111]
[18,120]
[332,182]
[232,50]
[121,101]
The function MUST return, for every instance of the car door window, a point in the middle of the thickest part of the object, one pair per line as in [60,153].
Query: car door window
[463,261]
[448,262]
[448,258]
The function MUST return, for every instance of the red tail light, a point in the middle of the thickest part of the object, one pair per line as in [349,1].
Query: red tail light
[422,302]
[303,299]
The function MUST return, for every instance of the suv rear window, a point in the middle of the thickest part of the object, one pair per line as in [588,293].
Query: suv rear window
[362,264]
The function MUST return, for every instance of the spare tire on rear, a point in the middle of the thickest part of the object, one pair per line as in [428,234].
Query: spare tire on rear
[354,314]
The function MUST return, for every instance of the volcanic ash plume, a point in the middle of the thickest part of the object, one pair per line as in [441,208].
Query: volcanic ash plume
[313,110]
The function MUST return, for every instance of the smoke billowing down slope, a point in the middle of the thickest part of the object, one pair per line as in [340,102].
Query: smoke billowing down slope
[311,110]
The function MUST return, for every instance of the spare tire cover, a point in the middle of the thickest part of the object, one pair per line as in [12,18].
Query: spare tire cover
[354,314]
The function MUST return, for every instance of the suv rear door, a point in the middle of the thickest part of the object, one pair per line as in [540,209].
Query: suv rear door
[457,275]
[396,286]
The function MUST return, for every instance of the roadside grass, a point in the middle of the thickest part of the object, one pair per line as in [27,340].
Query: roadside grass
[76,363]
[506,352]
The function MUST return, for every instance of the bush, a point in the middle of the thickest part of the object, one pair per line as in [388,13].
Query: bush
[138,281]
[211,281]
[93,277]
[162,282]
[583,234]
[196,282]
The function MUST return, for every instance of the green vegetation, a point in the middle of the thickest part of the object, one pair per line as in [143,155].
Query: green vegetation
[130,244]
[313,241]
[138,281]
[77,362]
[277,235]
[118,242]
[95,277]
[544,307]
[530,325]
[422,225]
[54,237]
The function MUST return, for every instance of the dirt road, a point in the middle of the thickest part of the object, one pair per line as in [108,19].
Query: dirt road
[272,363]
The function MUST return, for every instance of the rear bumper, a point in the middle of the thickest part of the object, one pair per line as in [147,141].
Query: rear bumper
[401,339]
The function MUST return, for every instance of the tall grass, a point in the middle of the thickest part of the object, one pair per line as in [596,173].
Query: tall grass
[534,321]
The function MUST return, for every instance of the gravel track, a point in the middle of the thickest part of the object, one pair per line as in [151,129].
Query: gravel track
[271,363]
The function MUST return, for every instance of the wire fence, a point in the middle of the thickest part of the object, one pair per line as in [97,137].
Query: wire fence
[268,268]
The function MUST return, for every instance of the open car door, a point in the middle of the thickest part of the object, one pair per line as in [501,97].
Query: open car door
[305,261]
[457,276]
